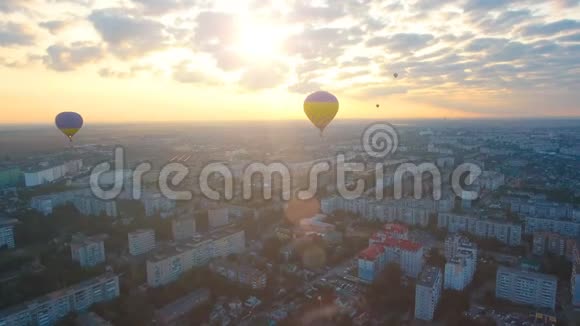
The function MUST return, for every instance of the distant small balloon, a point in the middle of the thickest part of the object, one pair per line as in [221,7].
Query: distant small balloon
[395,75]
[69,123]
[378,106]
[321,108]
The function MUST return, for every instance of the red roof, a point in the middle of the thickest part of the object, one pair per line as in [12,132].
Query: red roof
[372,252]
[406,245]
[396,228]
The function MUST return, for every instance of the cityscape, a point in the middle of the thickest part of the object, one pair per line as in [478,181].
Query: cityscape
[507,257]
[289,163]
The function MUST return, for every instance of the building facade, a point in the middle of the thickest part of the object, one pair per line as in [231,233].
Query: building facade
[428,293]
[88,251]
[242,274]
[183,228]
[48,174]
[49,309]
[218,217]
[141,241]
[461,263]
[7,232]
[167,264]
[505,232]
[526,287]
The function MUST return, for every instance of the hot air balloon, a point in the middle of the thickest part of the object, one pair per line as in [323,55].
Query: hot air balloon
[69,123]
[378,106]
[321,107]
[395,75]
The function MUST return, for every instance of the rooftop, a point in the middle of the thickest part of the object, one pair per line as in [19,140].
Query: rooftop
[371,253]
[7,221]
[406,245]
[520,272]
[428,276]
[183,305]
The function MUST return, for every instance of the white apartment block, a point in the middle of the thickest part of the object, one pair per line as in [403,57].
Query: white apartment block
[562,227]
[428,293]
[141,241]
[242,274]
[88,251]
[167,264]
[183,228]
[408,211]
[48,174]
[503,231]
[7,232]
[461,263]
[83,201]
[49,309]
[526,287]
[156,203]
[218,217]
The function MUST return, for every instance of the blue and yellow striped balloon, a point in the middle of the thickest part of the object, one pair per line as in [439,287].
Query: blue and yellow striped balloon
[321,107]
[69,123]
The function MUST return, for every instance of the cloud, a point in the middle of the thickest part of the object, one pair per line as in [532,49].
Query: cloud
[215,29]
[404,42]
[125,74]
[160,7]
[12,34]
[55,26]
[264,76]
[8,6]
[183,73]
[66,58]
[126,34]
[552,28]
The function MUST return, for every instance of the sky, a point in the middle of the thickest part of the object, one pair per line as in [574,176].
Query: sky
[180,60]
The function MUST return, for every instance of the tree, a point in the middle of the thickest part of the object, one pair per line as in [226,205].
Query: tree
[435,258]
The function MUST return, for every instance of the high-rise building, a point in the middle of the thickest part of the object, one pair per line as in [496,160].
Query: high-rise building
[461,263]
[526,287]
[183,228]
[141,241]
[428,293]
[371,262]
[88,251]
[549,242]
[10,177]
[7,232]
[50,308]
[218,217]
[390,246]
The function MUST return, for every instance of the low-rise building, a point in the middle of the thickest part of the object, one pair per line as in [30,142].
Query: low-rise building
[141,241]
[428,293]
[526,287]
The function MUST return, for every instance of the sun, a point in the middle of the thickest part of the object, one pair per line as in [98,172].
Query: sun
[259,40]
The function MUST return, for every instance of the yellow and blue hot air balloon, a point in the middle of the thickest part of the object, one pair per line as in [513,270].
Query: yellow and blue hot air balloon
[69,123]
[321,107]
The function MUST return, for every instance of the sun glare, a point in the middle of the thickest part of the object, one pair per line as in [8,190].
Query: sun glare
[259,41]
